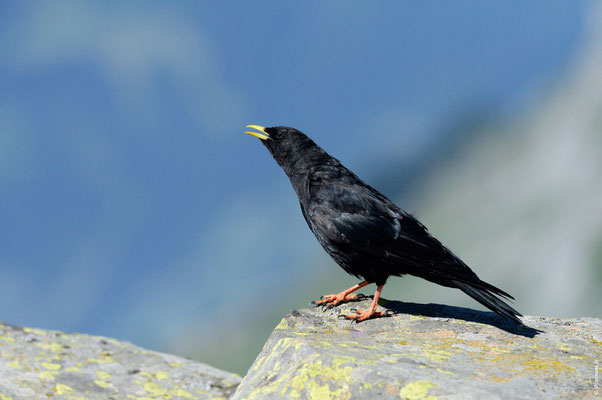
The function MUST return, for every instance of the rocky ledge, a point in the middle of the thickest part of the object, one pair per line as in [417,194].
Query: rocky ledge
[419,352]
[425,352]
[39,364]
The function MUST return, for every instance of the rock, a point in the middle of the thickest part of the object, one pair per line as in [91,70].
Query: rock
[425,352]
[39,364]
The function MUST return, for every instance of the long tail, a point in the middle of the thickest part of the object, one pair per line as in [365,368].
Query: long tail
[489,296]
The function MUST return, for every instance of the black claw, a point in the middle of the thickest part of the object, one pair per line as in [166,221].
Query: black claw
[342,315]
[361,296]
[353,310]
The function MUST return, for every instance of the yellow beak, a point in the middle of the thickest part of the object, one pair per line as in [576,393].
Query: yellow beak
[262,136]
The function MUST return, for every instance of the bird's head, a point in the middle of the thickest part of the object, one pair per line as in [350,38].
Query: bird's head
[287,145]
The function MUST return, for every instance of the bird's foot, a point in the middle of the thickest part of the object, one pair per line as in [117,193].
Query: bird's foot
[360,315]
[331,300]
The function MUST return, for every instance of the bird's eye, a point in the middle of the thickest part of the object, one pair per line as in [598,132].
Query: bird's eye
[279,135]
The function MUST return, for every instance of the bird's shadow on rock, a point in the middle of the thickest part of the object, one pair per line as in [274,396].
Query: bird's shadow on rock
[465,314]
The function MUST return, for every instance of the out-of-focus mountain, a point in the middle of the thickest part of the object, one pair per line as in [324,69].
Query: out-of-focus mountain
[522,201]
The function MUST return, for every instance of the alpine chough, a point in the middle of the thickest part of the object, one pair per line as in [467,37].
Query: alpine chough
[364,232]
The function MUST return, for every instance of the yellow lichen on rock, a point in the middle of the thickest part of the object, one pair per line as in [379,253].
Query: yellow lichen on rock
[61,389]
[417,391]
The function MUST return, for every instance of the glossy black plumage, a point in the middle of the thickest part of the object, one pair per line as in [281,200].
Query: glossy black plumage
[363,231]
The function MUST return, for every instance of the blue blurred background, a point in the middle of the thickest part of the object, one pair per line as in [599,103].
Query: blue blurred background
[133,205]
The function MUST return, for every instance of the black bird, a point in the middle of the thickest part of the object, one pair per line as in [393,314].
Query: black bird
[364,232]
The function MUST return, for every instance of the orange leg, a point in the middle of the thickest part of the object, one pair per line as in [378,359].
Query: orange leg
[331,300]
[364,315]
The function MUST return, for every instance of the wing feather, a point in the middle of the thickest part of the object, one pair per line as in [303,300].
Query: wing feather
[360,217]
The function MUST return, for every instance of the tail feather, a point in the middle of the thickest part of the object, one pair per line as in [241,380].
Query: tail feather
[486,294]
[490,288]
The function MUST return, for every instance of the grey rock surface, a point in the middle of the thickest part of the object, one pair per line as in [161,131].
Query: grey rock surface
[40,364]
[425,352]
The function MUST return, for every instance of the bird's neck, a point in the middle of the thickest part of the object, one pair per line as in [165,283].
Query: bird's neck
[301,169]
[300,163]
